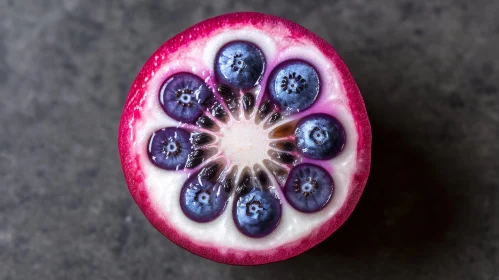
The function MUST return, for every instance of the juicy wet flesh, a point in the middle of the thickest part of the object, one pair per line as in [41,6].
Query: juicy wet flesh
[241,150]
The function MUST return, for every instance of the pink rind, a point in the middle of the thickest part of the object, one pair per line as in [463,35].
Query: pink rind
[134,174]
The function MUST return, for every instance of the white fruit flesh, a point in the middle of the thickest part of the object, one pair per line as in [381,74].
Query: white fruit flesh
[243,143]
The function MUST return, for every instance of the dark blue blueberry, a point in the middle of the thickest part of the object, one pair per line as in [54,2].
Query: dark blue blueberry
[320,136]
[308,188]
[169,148]
[294,84]
[257,213]
[240,64]
[184,96]
[201,199]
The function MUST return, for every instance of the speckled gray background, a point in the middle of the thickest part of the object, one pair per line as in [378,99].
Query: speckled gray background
[429,75]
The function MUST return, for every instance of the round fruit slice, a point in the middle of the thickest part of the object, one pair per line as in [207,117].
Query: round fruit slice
[245,140]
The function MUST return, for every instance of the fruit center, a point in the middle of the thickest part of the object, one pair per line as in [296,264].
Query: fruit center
[238,63]
[203,197]
[319,136]
[254,208]
[293,83]
[171,148]
[307,187]
[186,98]
[244,143]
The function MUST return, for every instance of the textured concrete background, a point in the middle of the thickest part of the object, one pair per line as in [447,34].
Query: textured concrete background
[429,75]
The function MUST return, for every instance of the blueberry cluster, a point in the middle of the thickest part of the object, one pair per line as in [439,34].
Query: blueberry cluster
[293,86]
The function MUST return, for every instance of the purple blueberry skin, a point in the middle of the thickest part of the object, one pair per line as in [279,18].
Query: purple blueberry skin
[184,97]
[169,148]
[309,187]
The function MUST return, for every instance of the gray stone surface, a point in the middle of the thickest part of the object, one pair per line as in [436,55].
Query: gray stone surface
[429,74]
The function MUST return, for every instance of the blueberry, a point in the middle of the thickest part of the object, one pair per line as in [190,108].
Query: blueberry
[169,148]
[201,199]
[184,96]
[294,85]
[320,136]
[240,64]
[308,188]
[257,213]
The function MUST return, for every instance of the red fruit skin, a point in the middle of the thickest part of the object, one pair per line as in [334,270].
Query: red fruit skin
[134,174]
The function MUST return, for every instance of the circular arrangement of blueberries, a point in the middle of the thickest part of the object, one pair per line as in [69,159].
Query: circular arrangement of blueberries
[293,86]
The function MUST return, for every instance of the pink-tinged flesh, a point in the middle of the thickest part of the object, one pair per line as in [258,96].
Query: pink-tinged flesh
[193,51]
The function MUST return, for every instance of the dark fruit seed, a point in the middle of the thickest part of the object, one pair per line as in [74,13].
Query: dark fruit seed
[201,139]
[283,145]
[183,97]
[275,117]
[228,97]
[279,173]
[225,91]
[309,188]
[282,157]
[244,183]
[248,102]
[218,111]
[205,122]
[288,146]
[227,185]
[169,148]
[264,109]
[194,159]
[320,136]
[229,179]
[197,153]
[261,175]
[262,178]
[232,104]
[210,172]
[284,130]
[201,200]
[239,64]
[256,213]
[294,85]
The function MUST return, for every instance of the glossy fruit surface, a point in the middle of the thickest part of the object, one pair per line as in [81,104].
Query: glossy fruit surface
[245,140]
